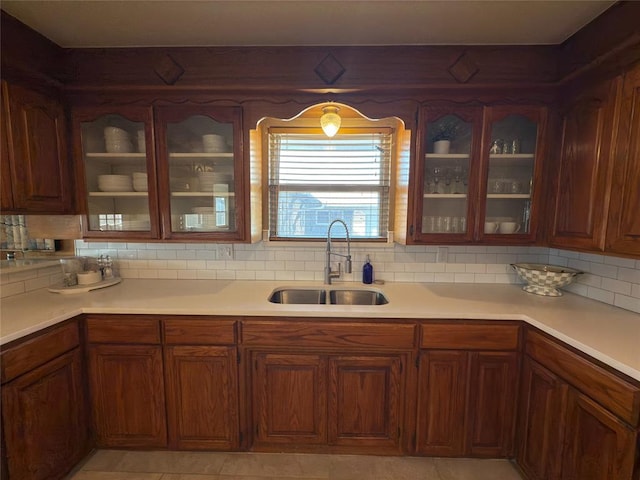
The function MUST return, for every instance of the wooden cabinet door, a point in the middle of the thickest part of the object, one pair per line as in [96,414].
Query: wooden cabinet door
[127,393]
[44,420]
[623,232]
[442,392]
[186,173]
[6,189]
[491,404]
[290,399]
[541,419]
[445,185]
[598,446]
[41,177]
[511,190]
[125,205]
[583,175]
[202,397]
[365,401]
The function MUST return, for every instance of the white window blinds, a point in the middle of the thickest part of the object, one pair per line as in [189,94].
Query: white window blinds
[314,180]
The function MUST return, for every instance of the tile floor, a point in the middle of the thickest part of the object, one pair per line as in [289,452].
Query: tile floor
[134,465]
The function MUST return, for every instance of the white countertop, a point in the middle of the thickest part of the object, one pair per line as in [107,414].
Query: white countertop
[607,333]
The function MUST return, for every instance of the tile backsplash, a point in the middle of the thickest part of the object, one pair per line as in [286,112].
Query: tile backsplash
[608,279]
[15,283]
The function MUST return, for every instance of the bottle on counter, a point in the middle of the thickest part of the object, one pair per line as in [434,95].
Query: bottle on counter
[367,272]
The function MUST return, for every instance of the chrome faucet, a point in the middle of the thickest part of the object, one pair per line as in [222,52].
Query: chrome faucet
[328,273]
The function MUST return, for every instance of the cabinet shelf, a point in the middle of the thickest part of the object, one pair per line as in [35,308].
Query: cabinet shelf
[115,155]
[203,194]
[192,155]
[512,156]
[118,194]
[445,195]
[447,156]
[509,196]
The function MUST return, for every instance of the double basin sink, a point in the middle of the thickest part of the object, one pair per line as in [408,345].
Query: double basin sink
[330,296]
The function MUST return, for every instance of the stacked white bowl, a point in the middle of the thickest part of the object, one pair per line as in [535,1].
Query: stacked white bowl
[142,145]
[207,180]
[114,183]
[117,140]
[140,183]
[213,143]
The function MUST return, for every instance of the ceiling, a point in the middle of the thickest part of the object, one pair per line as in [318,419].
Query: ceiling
[129,23]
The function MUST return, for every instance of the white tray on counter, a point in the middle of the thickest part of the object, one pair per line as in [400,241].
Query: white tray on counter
[85,288]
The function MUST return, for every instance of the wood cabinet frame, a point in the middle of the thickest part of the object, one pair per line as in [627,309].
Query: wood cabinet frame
[430,114]
[539,115]
[143,115]
[566,400]
[155,115]
[36,168]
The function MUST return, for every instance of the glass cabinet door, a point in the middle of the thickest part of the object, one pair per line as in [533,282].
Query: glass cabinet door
[118,172]
[198,148]
[512,168]
[446,172]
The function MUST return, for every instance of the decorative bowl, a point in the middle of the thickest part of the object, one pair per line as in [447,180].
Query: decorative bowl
[545,279]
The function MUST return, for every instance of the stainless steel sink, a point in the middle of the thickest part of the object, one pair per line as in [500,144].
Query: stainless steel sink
[335,296]
[312,296]
[357,297]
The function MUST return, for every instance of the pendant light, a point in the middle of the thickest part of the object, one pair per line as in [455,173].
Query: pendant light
[330,120]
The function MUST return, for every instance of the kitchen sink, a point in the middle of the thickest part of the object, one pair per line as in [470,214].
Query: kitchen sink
[357,297]
[311,296]
[318,296]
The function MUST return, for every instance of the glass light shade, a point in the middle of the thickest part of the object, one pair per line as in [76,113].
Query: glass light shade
[330,121]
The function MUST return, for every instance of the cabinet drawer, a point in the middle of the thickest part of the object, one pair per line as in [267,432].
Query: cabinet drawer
[190,331]
[123,329]
[39,350]
[461,335]
[618,396]
[314,333]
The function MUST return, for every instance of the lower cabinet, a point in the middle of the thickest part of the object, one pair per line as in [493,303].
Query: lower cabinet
[289,394]
[328,386]
[366,395]
[327,399]
[467,384]
[540,426]
[322,386]
[563,433]
[135,359]
[126,380]
[598,446]
[202,397]
[127,393]
[466,403]
[45,429]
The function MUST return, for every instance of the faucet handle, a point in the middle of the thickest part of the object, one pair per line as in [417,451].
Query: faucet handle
[347,265]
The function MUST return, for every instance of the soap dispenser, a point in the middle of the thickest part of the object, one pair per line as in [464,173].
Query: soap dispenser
[367,272]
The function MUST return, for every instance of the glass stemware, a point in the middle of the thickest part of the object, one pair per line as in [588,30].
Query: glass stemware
[437,175]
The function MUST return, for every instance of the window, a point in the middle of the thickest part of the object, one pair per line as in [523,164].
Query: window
[314,180]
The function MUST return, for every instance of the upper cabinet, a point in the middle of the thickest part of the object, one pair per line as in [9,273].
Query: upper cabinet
[117,172]
[597,191]
[623,230]
[160,173]
[200,170]
[512,157]
[36,176]
[446,175]
[583,173]
[476,175]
